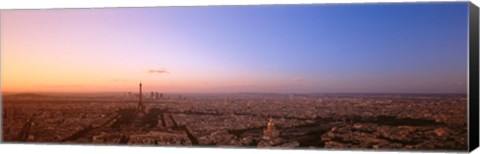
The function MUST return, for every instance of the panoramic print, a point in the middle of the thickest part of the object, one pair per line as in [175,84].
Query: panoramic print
[329,76]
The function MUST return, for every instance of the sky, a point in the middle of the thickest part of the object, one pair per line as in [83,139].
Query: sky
[329,48]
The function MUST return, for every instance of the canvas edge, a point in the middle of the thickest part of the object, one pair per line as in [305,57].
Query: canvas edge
[473,66]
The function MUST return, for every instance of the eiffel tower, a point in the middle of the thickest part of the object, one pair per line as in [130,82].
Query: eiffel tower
[140,106]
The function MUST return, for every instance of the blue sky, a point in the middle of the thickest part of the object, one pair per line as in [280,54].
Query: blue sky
[405,48]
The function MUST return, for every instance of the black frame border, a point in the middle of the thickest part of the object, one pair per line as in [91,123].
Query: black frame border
[473,108]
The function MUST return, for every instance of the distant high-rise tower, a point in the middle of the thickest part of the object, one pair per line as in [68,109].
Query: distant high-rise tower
[140,106]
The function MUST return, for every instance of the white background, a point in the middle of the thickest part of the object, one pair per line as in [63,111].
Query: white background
[83,149]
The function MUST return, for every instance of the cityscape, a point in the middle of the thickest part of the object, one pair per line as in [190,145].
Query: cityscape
[389,76]
[338,121]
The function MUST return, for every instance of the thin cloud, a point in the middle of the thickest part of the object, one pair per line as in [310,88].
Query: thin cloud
[157,71]
[298,79]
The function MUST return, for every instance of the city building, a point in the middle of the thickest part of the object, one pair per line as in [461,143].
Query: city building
[270,132]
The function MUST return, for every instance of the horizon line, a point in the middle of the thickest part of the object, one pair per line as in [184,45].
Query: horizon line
[103,92]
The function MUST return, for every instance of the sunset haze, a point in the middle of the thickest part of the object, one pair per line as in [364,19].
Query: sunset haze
[380,48]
